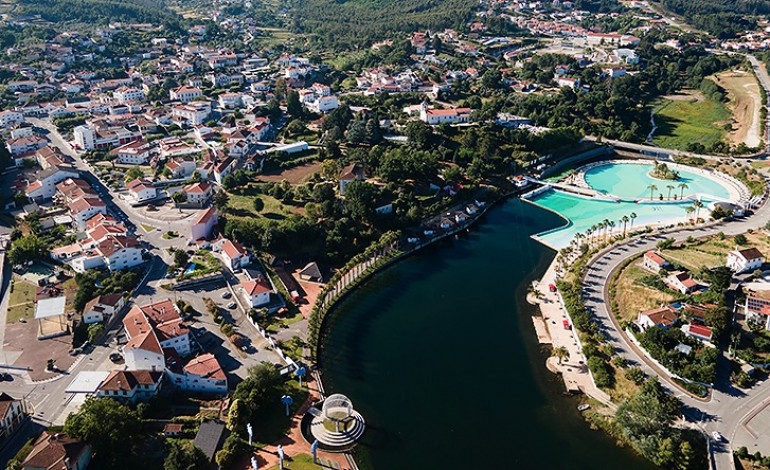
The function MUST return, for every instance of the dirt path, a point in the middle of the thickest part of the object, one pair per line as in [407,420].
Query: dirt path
[745,103]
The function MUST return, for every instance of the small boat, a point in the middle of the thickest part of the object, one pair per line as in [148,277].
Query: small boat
[584,407]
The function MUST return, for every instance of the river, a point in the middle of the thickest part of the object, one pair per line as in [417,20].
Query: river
[439,354]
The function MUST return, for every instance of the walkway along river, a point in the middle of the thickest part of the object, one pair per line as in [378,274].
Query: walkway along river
[439,354]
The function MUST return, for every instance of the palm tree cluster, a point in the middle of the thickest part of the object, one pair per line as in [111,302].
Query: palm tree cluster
[600,231]
[695,207]
[682,186]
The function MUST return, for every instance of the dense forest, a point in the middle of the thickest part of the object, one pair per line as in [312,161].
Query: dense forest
[343,24]
[100,11]
[722,18]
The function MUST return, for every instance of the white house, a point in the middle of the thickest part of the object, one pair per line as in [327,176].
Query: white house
[140,190]
[257,291]
[9,118]
[120,252]
[234,255]
[133,153]
[185,94]
[84,208]
[223,169]
[324,104]
[662,317]
[202,374]
[45,185]
[196,112]
[131,386]
[442,116]
[204,224]
[741,261]
[757,306]
[11,415]
[350,173]
[125,95]
[198,193]
[652,261]
[57,451]
[681,281]
[143,351]
[102,308]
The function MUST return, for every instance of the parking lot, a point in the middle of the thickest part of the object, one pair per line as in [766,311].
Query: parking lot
[208,335]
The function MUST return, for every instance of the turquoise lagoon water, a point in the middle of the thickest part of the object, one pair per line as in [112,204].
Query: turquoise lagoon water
[628,181]
[631,181]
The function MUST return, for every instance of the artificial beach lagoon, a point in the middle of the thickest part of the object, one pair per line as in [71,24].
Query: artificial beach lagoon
[631,194]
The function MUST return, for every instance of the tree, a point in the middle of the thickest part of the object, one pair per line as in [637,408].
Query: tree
[27,248]
[652,189]
[259,391]
[112,429]
[181,258]
[420,135]
[560,353]
[133,173]
[682,187]
[293,105]
[95,332]
[741,239]
[221,199]
[361,200]
[185,457]
[259,204]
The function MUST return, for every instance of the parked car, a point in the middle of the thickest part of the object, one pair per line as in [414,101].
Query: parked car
[226,294]
[116,358]
[231,305]
[717,436]
[7,377]
[75,352]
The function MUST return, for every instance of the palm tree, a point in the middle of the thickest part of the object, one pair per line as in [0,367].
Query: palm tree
[698,205]
[670,188]
[606,224]
[625,220]
[560,353]
[689,210]
[632,217]
[652,189]
[611,223]
[682,187]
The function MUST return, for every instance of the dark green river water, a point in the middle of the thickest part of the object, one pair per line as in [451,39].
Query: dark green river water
[439,354]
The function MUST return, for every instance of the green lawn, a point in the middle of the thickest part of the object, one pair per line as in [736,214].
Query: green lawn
[148,228]
[681,122]
[243,206]
[298,462]
[21,303]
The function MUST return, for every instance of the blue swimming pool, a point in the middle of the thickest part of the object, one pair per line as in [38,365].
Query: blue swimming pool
[629,182]
[190,268]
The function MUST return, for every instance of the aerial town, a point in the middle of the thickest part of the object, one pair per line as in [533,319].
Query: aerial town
[221,220]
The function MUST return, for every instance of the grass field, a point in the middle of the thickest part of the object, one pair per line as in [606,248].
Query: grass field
[21,303]
[632,297]
[243,206]
[690,118]
[299,462]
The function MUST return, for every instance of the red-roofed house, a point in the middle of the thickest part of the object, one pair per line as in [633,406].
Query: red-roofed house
[681,281]
[57,452]
[654,262]
[130,386]
[204,224]
[257,291]
[662,317]
[743,261]
[234,255]
[102,307]
[198,193]
[202,374]
[701,332]
[140,190]
[84,208]
[11,415]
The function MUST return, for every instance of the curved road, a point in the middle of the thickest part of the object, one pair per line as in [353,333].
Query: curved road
[727,407]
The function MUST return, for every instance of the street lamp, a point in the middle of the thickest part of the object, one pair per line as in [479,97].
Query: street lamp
[300,372]
[287,401]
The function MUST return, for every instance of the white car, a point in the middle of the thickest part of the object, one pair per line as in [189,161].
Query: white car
[717,436]
[231,305]
[226,294]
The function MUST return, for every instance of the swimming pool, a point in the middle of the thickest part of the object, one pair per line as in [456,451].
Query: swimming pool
[190,268]
[632,180]
[629,182]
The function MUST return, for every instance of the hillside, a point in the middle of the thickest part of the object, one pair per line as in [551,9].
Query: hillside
[98,11]
[344,24]
[722,18]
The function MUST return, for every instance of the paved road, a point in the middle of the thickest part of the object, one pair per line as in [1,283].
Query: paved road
[764,79]
[727,406]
